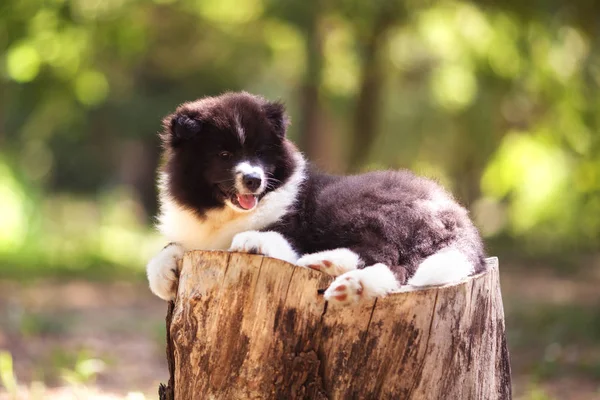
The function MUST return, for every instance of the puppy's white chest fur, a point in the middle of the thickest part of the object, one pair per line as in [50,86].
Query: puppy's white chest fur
[214,232]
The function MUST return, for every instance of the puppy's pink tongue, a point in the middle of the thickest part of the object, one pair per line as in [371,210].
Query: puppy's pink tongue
[247,201]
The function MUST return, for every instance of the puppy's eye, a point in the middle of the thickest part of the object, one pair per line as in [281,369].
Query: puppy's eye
[225,155]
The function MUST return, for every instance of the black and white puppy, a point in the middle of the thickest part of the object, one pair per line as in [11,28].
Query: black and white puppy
[231,180]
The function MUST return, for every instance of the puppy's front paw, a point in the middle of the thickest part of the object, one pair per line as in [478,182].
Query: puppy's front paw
[346,289]
[162,271]
[362,284]
[270,244]
[332,262]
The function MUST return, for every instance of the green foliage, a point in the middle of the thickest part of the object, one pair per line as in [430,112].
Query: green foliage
[65,234]
[7,375]
[559,340]
[534,392]
[78,370]
[498,102]
[39,324]
[84,370]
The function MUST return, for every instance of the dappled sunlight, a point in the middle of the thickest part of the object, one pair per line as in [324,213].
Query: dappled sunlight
[534,173]
[503,54]
[454,87]
[96,10]
[287,45]
[437,26]
[474,26]
[406,50]
[567,54]
[229,11]
[23,63]
[91,88]
[340,72]
[13,211]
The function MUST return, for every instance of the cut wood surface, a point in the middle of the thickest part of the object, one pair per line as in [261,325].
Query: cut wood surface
[251,327]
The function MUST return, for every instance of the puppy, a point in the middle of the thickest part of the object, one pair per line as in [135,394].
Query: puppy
[232,180]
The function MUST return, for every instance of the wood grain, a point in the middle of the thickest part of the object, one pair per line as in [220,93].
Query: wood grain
[251,327]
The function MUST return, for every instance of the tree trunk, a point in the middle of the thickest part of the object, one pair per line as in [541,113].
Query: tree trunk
[311,135]
[251,327]
[368,110]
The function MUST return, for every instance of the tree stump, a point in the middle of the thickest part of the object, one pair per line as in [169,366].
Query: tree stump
[251,327]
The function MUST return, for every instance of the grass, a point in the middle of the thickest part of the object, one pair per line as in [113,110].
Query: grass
[77,378]
[93,269]
[7,374]
[41,324]
[552,343]
[552,323]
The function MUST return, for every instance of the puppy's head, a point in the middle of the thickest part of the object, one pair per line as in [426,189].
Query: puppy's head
[228,150]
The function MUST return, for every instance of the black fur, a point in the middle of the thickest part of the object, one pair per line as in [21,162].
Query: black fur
[198,132]
[381,217]
[392,217]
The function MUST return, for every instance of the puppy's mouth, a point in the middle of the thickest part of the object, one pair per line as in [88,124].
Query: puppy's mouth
[246,202]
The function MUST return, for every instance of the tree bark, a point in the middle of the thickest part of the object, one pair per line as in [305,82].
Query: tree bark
[251,327]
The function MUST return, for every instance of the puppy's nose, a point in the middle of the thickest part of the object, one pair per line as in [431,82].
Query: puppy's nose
[252,181]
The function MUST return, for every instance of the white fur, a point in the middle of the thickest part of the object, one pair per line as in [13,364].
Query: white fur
[368,283]
[245,168]
[332,262]
[270,244]
[446,266]
[161,271]
[216,230]
[240,129]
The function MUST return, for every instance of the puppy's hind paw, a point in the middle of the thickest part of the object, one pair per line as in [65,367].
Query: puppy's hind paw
[362,284]
[332,262]
[162,271]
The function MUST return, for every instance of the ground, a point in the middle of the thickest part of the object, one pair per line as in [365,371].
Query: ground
[109,336]
[79,339]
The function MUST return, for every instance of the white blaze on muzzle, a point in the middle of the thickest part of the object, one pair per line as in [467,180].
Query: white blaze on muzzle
[250,182]
[245,169]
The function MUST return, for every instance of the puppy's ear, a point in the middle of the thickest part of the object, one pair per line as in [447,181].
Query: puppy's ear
[180,127]
[275,112]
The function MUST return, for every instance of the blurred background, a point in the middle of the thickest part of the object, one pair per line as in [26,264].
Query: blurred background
[499,101]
